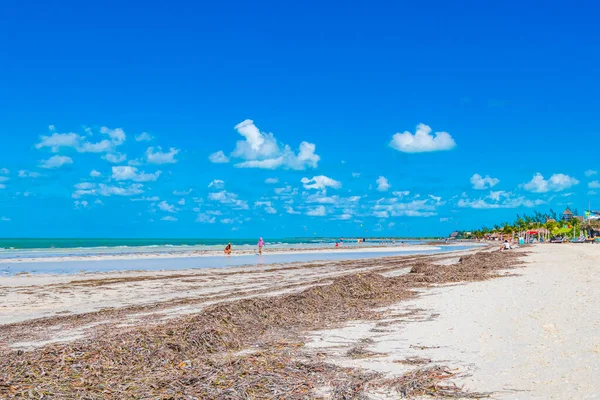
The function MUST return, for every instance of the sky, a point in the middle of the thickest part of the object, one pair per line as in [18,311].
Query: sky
[279,119]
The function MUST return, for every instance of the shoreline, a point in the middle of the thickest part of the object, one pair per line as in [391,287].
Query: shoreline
[213,253]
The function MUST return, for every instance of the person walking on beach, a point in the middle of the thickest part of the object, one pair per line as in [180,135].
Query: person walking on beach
[261,243]
[228,249]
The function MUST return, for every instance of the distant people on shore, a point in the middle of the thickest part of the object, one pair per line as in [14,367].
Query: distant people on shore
[260,245]
[228,249]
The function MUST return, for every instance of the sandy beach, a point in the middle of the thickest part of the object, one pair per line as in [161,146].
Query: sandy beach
[530,334]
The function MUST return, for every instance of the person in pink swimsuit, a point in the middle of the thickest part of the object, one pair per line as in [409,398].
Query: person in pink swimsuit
[261,243]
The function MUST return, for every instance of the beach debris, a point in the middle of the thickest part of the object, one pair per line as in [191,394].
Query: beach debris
[204,356]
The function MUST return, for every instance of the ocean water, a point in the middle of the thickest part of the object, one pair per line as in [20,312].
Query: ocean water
[71,267]
[51,247]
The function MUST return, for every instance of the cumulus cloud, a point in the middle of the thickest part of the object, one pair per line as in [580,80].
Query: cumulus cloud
[143,137]
[318,211]
[356,174]
[95,174]
[218,157]
[81,204]
[422,141]
[166,207]
[169,218]
[115,158]
[57,140]
[382,184]
[594,185]
[205,219]
[499,199]
[262,150]
[4,171]
[228,198]
[128,173]
[153,198]
[217,184]
[55,162]
[28,174]
[290,210]
[414,208]
[481,183]
[271,181]
[181,202]
[556,183]
[320,182]
[590,172]
[182,192]
[93,189]
[266,205]
[401,193]
[160,157]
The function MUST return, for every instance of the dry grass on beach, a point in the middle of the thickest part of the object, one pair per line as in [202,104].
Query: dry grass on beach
[245,349]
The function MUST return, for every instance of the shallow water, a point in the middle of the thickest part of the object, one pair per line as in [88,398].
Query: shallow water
[72,267]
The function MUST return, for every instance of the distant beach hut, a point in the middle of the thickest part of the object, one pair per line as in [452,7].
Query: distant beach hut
[567,215]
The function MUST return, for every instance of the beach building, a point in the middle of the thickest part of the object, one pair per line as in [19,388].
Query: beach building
[567,215]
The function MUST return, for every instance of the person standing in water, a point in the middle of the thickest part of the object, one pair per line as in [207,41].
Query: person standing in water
[228,249]
[261,243]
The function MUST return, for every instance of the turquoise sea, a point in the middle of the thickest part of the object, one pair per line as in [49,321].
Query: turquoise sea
[60,247]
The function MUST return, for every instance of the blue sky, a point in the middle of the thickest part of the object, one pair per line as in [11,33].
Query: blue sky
[239,119]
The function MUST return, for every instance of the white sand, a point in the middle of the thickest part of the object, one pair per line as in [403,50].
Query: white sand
[535,336]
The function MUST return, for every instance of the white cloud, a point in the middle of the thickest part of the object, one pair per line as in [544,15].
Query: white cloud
[226,197]
[318,211]
[401,193]
[115,158]
[5,219]
[169,218]
[217,184]
[143,137]
[499,199]
[422,141]
[271,181]
[322,199]
[320,182]
[444,219]
[356,174]
[3,178]
[481,183]
[344,217]
[205,219]
[58,140]
[382,184]
[227,221]
[166,207]
[290,210]
[153,198]
[56,162]
[414,208]
[590,172]
[181,202]
[117,135]
[214,212]
[261,150]
[267,206]
[92,189]
[218,158]
[2,186]
[381,214]
[594,185]
[182,192]
[159,157]
[128,173]
[592,193]
[28,174]
[95,174]
[556,183]
[4,171]
[81,204]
